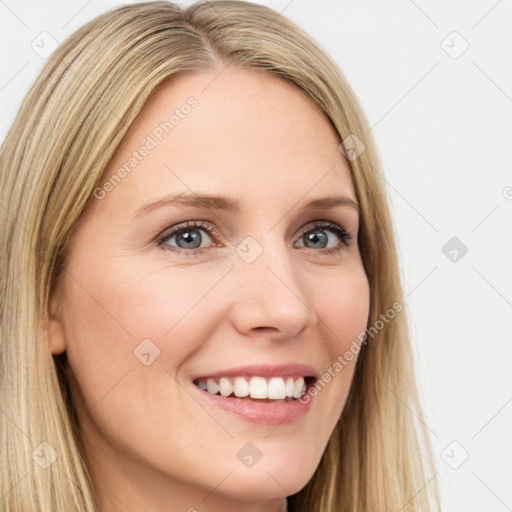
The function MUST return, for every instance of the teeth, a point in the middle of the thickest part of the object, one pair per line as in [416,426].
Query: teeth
[258,387]
[297,388]
[241,387]
[225,387]
[289,387]
[275,388]
[212,386]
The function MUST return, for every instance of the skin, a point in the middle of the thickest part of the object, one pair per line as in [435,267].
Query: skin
[149,444]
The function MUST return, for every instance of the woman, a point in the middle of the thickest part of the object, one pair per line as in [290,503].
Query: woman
[201,302]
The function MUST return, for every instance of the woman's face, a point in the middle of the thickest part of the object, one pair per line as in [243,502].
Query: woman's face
[232,278]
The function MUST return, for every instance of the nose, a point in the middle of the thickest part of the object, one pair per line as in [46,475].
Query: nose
[270,300]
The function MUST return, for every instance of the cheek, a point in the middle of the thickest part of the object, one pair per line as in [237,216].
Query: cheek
[343,311]
[111,314]
[107,318]
[344,308]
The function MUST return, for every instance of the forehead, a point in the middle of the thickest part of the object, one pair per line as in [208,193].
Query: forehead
[241,131]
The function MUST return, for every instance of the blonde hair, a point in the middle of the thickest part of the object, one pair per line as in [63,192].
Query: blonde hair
[67,129]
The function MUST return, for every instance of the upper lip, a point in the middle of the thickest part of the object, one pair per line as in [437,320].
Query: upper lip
[263,370]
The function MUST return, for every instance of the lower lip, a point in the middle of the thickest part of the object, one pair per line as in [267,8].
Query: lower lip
[264,413]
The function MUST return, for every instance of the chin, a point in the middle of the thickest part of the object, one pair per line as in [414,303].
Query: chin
[265,483]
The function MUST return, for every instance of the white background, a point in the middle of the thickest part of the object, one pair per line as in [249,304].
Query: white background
[444,130]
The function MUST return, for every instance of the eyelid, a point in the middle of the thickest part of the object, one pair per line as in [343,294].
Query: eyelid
[319,223]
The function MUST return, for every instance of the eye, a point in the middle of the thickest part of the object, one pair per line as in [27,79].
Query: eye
[325,235]
[195,237]
[188,238]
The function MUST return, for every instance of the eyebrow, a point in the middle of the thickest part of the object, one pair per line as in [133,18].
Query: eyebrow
[230,204]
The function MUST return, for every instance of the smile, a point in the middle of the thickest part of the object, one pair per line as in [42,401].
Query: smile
[256,387]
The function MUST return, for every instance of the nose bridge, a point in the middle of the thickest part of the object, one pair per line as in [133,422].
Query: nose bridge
[271,293]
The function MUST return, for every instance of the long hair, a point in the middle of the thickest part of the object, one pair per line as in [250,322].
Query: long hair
[67,129]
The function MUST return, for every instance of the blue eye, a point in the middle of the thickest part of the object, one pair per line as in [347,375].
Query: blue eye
[187,238]
[320,238]
[323,236]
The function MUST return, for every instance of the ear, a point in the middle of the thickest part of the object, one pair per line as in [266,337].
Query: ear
[51,330]
[52,333]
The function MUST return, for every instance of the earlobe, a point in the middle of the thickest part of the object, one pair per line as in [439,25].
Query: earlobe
[51,329]
[52,334]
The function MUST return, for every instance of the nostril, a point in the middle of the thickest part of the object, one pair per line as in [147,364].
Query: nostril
[265,329]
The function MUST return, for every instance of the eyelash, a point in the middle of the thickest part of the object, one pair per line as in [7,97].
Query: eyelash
[213,232]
